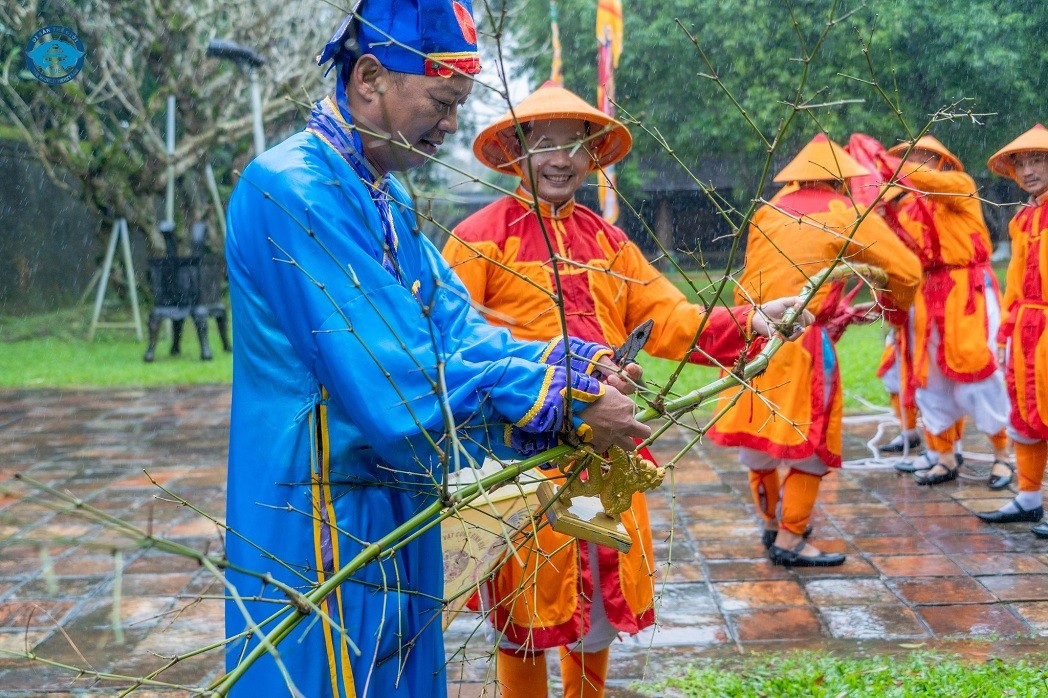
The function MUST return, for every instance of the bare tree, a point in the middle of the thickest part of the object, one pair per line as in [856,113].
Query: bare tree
[102,135]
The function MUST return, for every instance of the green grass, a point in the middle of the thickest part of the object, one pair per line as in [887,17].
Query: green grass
[817,674]
[51,351]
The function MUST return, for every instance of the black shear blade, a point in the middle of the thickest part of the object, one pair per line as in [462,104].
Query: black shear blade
[627,353]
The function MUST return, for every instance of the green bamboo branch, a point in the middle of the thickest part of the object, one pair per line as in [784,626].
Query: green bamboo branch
[101,675]
[425,520]
[440,510]
[437,512]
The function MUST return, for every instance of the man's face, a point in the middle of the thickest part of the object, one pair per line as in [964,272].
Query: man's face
[418,111]
[559,162]
[1031,171]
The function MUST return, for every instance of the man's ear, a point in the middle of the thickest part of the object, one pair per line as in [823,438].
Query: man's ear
[369,78]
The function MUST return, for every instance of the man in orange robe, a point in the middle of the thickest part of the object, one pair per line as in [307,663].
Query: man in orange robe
[791,414]
[896,369]
[576,597]
[956,313]
[1023,337]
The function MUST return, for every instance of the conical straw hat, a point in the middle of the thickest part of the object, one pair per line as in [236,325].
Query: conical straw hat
[930,143]
[545,104]
[821,159]
[1001,161]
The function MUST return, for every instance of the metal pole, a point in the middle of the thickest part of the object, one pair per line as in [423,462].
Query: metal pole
[103,281]
[256,112]
[169,210]
[129,272]
[212,186]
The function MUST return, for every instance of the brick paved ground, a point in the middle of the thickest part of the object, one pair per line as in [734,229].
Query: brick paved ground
[920,569]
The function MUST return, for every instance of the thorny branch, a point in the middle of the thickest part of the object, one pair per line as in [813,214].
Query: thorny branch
[125,135]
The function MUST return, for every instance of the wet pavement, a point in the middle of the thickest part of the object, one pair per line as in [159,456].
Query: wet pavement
[921,570]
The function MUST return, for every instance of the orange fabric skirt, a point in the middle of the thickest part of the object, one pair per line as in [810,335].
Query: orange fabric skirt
[794,409]
[539,596]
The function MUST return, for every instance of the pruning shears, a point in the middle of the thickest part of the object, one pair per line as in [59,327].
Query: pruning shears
[627,352]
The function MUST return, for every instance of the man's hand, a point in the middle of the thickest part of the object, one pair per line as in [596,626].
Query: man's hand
[767,318]
[625,379]
[611,417]
[1002,358]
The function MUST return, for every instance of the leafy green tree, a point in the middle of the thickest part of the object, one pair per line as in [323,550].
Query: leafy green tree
[978,65]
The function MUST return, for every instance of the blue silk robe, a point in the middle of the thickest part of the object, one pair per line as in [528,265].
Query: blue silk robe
[337,405]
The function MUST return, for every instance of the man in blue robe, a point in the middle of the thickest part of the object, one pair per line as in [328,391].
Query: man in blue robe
[361,374]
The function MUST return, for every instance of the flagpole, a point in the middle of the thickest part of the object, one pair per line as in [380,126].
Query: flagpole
[609,46]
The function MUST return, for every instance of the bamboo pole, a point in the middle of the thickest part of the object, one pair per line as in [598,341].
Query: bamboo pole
[439,510]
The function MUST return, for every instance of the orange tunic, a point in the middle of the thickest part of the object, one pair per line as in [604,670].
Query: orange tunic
[1025,320]
[944,226]
[540,597]
[794,410]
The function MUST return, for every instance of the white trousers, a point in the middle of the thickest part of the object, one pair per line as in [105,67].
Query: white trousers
[943,401]
[892,378]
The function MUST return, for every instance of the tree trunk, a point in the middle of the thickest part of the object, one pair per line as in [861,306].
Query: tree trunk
[664,230]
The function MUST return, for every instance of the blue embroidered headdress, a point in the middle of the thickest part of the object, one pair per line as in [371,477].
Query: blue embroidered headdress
[421,37]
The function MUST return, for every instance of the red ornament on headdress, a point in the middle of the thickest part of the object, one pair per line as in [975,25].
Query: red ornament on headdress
[465,20]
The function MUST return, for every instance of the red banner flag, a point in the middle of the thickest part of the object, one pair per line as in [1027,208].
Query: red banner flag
[556,73]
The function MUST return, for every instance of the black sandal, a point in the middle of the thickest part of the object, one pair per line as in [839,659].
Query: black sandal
[793,558]
[920,463]
[768,536]
[999,482]
[928,477]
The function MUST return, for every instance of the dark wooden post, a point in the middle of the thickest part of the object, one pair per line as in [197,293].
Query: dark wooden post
[664,229]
